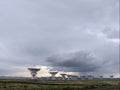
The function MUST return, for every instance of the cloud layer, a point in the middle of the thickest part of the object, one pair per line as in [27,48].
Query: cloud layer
[31,31]
[75,62]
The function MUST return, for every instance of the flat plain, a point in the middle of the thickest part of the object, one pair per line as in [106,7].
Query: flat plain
[20,84]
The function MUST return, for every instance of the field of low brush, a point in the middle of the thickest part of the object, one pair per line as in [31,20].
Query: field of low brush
[18,84]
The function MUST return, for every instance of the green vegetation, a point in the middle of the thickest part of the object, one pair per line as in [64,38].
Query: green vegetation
[16,84]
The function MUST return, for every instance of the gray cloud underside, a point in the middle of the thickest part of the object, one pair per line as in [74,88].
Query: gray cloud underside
[31,31]
[75,62]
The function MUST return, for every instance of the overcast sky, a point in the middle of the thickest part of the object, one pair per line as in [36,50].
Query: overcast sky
[68,35]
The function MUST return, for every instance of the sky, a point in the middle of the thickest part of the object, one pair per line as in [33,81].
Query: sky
[77,36]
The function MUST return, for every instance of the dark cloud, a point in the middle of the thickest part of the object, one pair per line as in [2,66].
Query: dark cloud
[30,31]
[77,62]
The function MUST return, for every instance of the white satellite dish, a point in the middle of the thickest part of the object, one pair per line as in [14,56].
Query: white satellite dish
[53,73]
[34,71]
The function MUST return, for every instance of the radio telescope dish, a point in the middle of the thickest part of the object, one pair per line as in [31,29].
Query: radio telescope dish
[34,71]
[53,73]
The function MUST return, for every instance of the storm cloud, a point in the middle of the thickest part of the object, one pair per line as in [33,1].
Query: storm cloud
[31,31]
[75,62]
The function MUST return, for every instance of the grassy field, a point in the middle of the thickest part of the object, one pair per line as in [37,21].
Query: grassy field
[16,84]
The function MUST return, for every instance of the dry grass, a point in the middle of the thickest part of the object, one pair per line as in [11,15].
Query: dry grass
[17,84]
